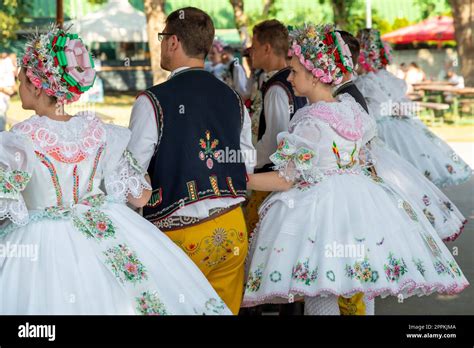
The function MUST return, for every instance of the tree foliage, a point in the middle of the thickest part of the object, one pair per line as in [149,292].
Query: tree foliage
[12,13]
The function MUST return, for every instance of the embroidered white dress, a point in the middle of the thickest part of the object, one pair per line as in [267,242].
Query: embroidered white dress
[339,230]
[408,136]
[64,186]
[444,216]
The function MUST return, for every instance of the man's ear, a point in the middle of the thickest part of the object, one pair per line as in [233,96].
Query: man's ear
[173,43]
[267,48]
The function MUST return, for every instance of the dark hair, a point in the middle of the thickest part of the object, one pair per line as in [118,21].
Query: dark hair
[413,64]
[194,28]
[353,43]
[228,49]
[273,32]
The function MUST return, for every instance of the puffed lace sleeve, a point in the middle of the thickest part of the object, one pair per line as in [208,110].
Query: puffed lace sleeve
[122,173]
[296,155]
[16,163]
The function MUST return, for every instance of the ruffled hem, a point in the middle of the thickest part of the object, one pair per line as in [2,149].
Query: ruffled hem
[455,235]
[408,288]
[452,182]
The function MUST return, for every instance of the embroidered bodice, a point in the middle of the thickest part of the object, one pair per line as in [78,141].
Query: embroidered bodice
[46,163]
[323,138]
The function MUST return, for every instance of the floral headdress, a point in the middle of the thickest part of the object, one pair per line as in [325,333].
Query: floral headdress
[59,63]
[322,51]
[219,45]
[373,53]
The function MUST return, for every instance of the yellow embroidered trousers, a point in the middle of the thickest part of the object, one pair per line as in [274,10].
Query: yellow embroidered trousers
[251,210]
[219,248]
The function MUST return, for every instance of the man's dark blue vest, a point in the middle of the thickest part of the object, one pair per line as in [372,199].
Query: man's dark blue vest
[199,121]
[351,88]
[280,79]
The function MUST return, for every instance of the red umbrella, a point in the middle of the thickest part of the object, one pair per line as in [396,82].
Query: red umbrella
[432,29]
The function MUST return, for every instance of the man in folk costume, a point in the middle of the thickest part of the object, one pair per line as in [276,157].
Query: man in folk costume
[269,52]
[193,134]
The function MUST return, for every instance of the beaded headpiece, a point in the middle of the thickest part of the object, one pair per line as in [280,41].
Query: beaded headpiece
[373,53]
[322,51]
[59,63]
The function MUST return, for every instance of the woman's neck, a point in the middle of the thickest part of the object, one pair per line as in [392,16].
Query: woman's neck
[54,112]
[321,93]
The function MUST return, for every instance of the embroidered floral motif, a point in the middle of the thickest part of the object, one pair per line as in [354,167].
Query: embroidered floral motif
[132,161]
[217,247]
[302,157]
[90,185]
[395,268]
[362,271]
[95,224]
[426,200]
[432,245]
[275,276]
[54,176]
[454,268]
[75,187]
[12,182]
[448,206]
[450,169]
[209,152]
[347,161]
[125,264]
[419,266]
[440,267]
[301,272]
[409,210]
[254,279]
[149,304]
[330,275]
[429,216]
[215,306]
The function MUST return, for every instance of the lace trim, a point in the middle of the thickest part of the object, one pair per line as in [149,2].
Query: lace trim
[15,211]
[127,178]
[331,114]
[54,137]
[407,288]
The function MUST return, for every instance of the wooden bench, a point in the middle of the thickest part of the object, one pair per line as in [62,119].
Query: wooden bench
[432,112]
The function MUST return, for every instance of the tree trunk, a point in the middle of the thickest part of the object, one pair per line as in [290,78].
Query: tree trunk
[340,8]
[463,16]
[267,5]
[155,19]
[241,22]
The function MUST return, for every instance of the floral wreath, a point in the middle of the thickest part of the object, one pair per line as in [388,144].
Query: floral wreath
[59,63]
[322,51]
[218,44]
[374,54]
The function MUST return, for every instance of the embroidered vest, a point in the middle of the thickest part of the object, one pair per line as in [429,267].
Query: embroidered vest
[279,79]
[198,156]
[352,89]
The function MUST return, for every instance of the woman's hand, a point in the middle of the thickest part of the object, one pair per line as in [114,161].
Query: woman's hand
[270,181]
[143,199]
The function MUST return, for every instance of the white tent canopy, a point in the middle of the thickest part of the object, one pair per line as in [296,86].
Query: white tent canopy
[117,21]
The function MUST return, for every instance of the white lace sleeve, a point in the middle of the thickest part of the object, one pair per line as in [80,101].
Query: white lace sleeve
[122,173]
[296,155]
[15,173]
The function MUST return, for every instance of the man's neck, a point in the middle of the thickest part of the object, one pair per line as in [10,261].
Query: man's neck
[275,63]
[188,63]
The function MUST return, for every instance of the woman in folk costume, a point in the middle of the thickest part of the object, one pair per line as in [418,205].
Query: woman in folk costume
[64,182]
[409,137]
[215,65]
[440,211]
[389,247]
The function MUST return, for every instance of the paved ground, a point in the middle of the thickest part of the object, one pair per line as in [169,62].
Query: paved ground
[463,303]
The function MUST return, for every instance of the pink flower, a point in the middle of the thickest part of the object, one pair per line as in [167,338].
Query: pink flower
[131,268]
[326,79]
[317,72]
[338,80]
[101,226]
[296,49]
[309,65]
[302,60]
